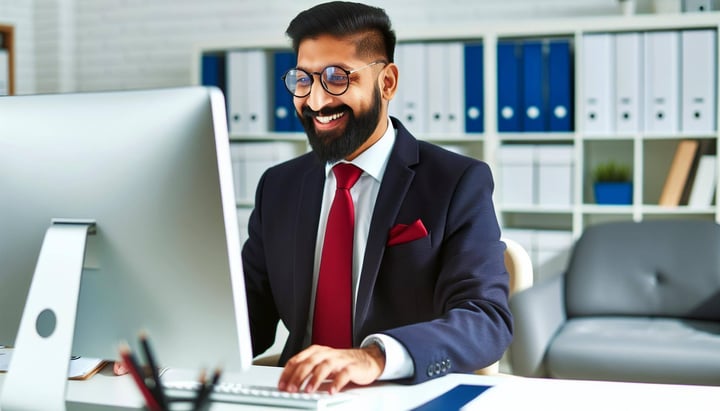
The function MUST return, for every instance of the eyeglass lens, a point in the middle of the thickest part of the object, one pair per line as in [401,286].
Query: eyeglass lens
[334,80]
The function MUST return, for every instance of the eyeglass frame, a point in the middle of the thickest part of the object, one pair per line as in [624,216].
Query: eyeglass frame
[311,76]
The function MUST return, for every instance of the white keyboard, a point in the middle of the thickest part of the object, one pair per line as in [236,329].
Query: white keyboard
[250,394]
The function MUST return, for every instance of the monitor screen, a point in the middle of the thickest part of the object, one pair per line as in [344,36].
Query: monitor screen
[151,169]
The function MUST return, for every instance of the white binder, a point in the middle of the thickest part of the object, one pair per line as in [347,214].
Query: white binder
[455,122]
[598,84]
[703,189]
[628,82]
[256,78]
[412,65]
[247,92]
[662,82]
[236,93]
[698,104]
[437,86]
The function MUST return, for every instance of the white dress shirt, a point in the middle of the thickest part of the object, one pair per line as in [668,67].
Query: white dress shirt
[373,162]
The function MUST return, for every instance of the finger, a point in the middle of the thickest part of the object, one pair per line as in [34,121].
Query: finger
[119,368]
[299,368]
[322,371]
[340,380]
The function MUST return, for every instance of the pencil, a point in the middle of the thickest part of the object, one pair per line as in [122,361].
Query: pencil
[205,389]
[149,357]
[132,365]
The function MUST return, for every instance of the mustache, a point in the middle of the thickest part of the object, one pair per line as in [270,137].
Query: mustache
[309,113]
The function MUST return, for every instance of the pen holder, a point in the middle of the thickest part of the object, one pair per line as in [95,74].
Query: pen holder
[157,398]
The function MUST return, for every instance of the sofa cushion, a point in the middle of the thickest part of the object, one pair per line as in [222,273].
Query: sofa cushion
[660,350]
[653,268]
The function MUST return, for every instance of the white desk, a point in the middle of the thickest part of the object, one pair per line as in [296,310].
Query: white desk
[508,392]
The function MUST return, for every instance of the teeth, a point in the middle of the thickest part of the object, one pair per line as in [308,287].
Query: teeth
[327,119]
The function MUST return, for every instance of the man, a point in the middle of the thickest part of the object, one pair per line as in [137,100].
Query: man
[426,287]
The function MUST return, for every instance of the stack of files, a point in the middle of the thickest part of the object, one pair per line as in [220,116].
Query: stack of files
[536,175]
[660,82]
[248,92]
[440,88]
[535,85]
[284,117]
[251,159]
[4,73]
[549,250]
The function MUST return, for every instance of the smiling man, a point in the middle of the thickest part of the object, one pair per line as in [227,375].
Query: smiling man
[381,254]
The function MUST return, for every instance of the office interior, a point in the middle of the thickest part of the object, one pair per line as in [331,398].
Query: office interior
[69,46]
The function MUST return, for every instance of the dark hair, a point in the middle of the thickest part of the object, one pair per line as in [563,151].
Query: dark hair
[342,18]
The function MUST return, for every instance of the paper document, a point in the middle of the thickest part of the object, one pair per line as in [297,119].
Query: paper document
[80,367]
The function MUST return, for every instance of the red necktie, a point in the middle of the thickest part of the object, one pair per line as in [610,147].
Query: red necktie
[332,323]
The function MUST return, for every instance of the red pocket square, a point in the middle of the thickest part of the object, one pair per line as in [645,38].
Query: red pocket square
[404,233]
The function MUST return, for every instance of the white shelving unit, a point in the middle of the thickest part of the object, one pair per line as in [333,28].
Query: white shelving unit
[650,155]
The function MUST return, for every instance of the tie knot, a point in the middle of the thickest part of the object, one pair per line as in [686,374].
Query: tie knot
[346,175]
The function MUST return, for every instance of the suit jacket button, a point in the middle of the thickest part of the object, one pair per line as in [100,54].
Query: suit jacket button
[430,370]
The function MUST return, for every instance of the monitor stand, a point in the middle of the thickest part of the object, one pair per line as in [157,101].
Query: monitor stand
[37,377]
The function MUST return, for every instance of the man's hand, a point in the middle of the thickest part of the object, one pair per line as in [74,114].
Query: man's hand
[317,363]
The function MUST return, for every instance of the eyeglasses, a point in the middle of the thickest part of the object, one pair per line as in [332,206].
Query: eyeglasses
[335,80]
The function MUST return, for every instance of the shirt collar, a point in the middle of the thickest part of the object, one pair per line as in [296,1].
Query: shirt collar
[373,160]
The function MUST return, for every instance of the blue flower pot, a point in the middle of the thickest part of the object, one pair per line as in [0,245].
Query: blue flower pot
[613,193]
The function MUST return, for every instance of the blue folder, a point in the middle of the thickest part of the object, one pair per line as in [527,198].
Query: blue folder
[454,399]
[284,116]
[474,107]
[560,112]
[212,70]
[534,108]
[509,85]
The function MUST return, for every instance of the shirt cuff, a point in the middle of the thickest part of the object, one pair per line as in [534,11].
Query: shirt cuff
[398,363]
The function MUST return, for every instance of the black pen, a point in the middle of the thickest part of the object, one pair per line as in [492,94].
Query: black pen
[157,389]
[206,388]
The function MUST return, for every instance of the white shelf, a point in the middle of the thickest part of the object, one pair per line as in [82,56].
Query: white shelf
[648,172]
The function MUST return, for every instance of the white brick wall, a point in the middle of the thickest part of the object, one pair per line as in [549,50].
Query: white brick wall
[66,45]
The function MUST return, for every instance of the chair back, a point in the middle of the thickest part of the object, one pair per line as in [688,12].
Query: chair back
[649,268]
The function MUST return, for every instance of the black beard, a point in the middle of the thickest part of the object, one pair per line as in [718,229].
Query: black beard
[332,146]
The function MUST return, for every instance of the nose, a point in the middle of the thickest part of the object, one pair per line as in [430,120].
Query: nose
[318,97]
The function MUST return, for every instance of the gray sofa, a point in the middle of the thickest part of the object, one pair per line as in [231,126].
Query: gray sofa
[638,302]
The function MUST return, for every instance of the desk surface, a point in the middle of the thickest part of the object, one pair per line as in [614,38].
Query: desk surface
[508,392]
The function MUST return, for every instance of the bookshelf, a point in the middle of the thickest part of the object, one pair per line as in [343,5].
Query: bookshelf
[648,153]
[7,49]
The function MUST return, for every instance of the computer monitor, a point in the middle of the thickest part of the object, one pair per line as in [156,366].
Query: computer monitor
[140,183]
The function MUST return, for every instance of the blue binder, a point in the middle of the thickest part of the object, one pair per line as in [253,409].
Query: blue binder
[474,95]
[509,85]
[212,70]
[534,71]
[560,105]
[284,116]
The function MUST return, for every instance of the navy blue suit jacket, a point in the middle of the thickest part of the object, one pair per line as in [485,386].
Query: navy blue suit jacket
[443,296]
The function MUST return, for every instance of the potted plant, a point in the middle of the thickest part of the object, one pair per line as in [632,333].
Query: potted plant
[612,183]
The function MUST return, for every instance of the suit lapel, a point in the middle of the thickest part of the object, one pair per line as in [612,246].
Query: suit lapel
[308,215]
[394,186]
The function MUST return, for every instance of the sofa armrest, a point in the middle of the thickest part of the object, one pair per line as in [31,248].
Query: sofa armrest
[538,313]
